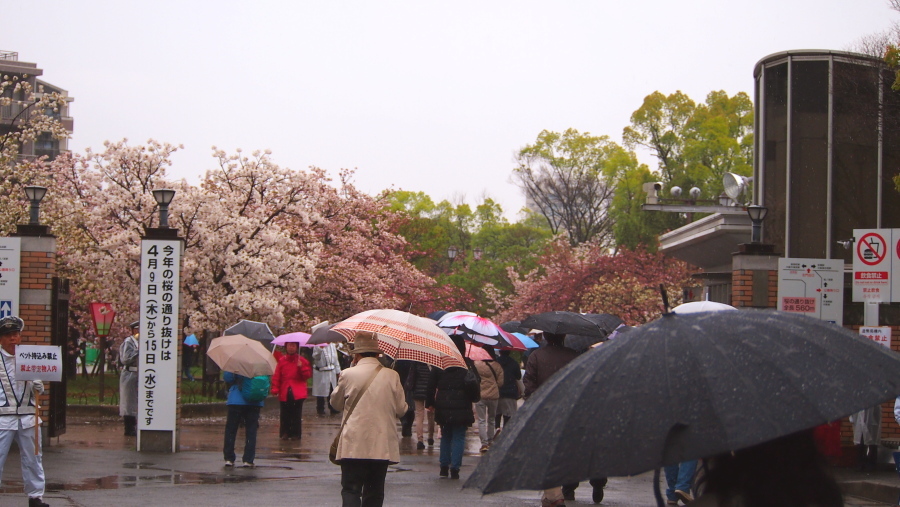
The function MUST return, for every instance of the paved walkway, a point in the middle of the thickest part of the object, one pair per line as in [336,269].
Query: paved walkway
[94,465]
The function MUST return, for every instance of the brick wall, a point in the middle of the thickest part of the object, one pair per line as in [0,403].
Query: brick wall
[37,270]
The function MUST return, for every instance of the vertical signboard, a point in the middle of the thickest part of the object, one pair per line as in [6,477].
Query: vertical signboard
[10,262]
[872,265]
[880,335]
[813,287]
[160,281]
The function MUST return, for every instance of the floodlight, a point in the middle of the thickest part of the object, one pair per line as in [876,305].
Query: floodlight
[735,186]
[675,191]
[695,193]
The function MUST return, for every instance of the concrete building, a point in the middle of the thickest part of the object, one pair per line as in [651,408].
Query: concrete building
[13,115]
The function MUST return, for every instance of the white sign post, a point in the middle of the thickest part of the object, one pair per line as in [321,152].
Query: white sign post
[10,270]
[813,287]
[158,373]
[39,362]
[872,259]
[880,335]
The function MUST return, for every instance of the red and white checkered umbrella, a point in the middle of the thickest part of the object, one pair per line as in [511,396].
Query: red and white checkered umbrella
[402,335]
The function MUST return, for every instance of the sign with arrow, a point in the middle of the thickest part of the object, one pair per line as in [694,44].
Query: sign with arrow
[814,287]
[10,260]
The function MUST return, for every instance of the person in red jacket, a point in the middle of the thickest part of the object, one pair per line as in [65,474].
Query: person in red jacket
[289,384]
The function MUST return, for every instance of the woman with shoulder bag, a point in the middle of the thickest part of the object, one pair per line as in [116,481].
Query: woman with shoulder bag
[452,392]
[486,409]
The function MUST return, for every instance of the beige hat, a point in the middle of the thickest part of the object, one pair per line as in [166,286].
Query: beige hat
[365,342]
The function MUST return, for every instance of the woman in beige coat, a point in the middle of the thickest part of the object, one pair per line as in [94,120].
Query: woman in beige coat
[369,441]
[491,375]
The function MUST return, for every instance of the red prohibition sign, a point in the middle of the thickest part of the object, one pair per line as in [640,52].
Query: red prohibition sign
[879,253]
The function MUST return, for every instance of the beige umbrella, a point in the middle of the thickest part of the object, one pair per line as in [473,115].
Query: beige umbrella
[241,355]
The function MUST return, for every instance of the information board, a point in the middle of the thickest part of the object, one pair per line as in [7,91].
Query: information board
[814,287]
[10,265]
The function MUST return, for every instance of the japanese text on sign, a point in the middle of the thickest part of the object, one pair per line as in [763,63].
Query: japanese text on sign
[802,305]
[38,362]
[160,261]
[881,335]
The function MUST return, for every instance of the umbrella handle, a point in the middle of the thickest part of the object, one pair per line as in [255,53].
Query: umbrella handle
[665,298]
[656,492]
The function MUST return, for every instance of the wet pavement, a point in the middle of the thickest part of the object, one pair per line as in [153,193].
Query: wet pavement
[93,464]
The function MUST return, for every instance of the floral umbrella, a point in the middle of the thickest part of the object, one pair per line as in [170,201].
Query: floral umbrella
[400,335]
[479,329]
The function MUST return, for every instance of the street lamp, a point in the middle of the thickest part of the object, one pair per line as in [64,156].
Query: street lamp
[163,197]
[757,215]
[477,253]
[451,253]
[35,195]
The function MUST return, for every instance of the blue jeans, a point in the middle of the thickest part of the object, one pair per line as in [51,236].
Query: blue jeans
[680,477]
[453,443]
[250,416]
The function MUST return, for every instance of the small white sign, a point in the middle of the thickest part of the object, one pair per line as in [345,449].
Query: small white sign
[880,335]
[10,261]
[814,287]
[38,362]
[872,265]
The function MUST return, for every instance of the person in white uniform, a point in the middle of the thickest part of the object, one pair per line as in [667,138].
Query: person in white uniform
[325,374]
[17,413]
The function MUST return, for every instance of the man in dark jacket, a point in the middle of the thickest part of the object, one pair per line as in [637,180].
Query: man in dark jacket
[452,392]
[541,365]
[509,391]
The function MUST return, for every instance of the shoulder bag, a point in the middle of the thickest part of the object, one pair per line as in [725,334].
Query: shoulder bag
[332,453]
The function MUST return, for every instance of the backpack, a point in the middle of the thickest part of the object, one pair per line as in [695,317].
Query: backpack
[257,388]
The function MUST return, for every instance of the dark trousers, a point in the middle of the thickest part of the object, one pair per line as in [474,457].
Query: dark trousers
[362,482]
[321,401]
[291,421]
[596,483]
[249,415]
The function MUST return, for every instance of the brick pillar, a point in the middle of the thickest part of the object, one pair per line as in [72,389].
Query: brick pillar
[754,276]
[37,269]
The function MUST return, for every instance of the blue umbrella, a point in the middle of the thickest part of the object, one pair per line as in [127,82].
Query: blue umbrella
[191,340]
[526,340]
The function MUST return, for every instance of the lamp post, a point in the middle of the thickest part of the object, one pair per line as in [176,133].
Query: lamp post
[103,316]
[451,253]
[757,215]
[35,195]
[477,253]
[163,197]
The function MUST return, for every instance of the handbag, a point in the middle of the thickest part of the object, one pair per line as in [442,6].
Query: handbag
[332,453]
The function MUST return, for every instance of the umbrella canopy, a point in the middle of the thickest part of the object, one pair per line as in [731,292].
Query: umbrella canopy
[241,355]
[686,387]
[513,326]
[191,341]
[476,353]
[477,329]
[400,335]
[701,306]
[258,331]
[299,338]
[595,325]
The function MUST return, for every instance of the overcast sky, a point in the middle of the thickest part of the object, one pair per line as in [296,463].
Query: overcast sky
[417,95]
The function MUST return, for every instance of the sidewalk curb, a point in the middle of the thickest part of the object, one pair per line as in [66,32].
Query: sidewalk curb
[871,490]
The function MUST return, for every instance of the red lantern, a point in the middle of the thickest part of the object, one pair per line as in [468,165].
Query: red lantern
[103,316]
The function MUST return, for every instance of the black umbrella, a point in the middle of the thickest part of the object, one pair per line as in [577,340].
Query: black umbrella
[597,325]
[514,326]
[686,387]
[258,331]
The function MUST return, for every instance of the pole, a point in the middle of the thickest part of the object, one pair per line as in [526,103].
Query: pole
[37,423]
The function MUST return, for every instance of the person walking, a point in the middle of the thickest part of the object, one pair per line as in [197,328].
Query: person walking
[679,480]
[867,436]
[326,368]
[240,411]
[541,365]
[491,375]
[289,384]
[509,391]
[417,384]
[374,400]
[128,379]
[18,414]
[452,392]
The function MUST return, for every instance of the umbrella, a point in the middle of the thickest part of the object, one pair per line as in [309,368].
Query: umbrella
[701,306]
[476,353]
[258,331]
[191,341]
[513,327]
[597,325]
[400,335]
[686,387]
[300,339]
[526,340]
[241,355]
[477,329]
